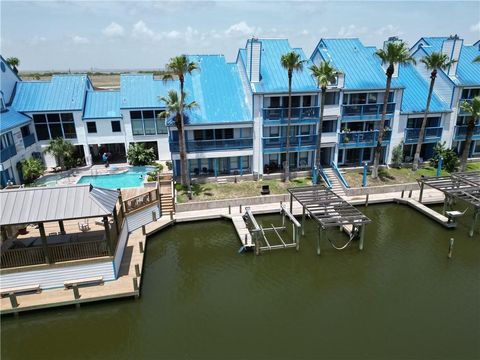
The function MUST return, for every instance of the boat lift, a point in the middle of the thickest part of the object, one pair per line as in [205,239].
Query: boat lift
[259,233]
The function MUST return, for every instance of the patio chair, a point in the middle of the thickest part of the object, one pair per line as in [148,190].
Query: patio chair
[84,226]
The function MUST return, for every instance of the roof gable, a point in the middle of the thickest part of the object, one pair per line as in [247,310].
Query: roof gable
[102,105]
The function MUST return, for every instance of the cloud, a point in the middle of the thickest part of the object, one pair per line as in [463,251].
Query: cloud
[113,30]
[389,30]
[242,29]
[475,27]
[80,39]
[142,31]
[352,30]
[38,40]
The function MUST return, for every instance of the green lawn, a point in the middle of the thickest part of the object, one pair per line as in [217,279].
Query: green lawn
[396,176]
[214,191]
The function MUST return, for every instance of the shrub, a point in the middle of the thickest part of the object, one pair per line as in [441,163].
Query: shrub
[450,158]
[397,155]
[138,155]
[169,165]
[32,169]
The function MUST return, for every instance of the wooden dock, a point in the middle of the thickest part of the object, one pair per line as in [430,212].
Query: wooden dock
[242,231]
[126,285]
[432,214]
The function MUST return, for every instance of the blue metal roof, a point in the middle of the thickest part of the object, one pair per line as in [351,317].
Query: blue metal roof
[10,119]
[61,93]
[143,91]
[273,77]
[416,92]
[102,105]
[361,67]
[468,72]
[218,90]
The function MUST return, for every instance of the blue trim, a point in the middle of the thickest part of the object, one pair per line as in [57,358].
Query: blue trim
[339,174]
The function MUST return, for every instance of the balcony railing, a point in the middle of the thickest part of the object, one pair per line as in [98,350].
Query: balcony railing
[29,140]
[461,133]
[358,139]
[7,153]
[209,145]
[432,135]
[298,113]
[366,112]
[280,142]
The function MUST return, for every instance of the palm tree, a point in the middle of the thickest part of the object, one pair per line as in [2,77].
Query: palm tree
[14,63]
[395,53]
[60,149]
[473,108]
[325,74]
[477,59]
[433,62]
[178,67]
[291,62]
[174,108]
[32,169]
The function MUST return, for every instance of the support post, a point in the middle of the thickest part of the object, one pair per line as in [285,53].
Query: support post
[140,245]
[297,237]
[62,227]
[76,292]
[171,215]
[420,197]
[135,284]
[115,221]
[240,209]
[291,204]
[303,220]
[319,237]
[362,234]
[144,230]
[366,200]
[108,239]
[403,192]
[43,236]
[229,209]
[410,193]
[450,248]
[445,204]
[474,222]
[13,300]
[137,270]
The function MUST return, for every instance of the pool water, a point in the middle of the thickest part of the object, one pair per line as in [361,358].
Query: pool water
[49,180]
[134,177]
[399,298]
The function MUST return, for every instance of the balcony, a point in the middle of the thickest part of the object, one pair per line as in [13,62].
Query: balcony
[366,112]
[297,143]
[211,145]
[299,114]
[461,133]
[7,153]
[432,135]
[361,139]
[29,140]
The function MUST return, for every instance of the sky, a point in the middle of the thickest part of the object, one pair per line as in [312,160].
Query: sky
[120,35]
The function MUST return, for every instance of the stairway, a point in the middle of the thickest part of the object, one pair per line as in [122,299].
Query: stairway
[337,186]
[165,187]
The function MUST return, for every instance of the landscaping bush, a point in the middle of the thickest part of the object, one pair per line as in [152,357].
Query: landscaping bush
[397,155]
[450,158]
[32,169]
[169,165]
[138,155]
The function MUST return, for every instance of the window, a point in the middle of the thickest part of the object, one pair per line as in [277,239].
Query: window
[307,101]
[303,158]
[161,127]
[331,98]
[91,127]
[25,130]
[149,126]
[275,102]
[51,126]
[116,126]
[274,131]
[246,162]
[360,98]
[329,126]
[228,133]
[372,98]
[137,127]
[304,129]
[2,103]
[6,140]
[135,115]
[197,134]
[246,133]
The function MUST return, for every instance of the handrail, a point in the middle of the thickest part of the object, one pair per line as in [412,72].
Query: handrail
[339,175]
[325,178]
[141,201]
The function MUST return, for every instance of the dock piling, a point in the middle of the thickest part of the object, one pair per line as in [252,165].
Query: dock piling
[362,233]
[450,248]
[229,209]
[366,200]
[144,231]
[137,270]
[76,292]
[474,222]
[140,245]
[13,300]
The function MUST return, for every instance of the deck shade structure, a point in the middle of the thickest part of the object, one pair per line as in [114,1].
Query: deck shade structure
[40,205]
[461,185]
[329,210]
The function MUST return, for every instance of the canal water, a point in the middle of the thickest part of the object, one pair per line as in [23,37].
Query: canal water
[398,298]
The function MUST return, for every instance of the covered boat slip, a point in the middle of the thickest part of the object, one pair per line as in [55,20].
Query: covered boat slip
[463,186]
[329,210]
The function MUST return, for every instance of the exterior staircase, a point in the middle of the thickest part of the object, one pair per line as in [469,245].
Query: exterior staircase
[337,186]
[165,186]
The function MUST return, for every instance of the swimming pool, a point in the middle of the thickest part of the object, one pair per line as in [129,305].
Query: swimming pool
[49,180]
[133,177]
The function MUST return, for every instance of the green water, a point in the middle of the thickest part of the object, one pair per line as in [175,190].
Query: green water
[399,298]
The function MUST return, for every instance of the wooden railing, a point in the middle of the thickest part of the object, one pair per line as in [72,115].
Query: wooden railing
[79,250]
[140,201]
[22,257]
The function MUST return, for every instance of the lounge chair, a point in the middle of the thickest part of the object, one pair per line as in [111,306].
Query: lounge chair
[84,226]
